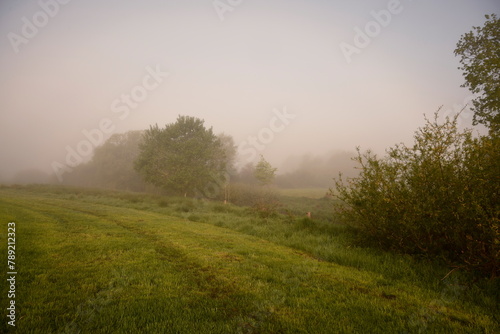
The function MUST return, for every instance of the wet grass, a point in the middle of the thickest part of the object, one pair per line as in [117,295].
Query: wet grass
[110,262]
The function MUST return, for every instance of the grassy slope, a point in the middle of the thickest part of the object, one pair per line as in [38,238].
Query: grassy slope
[101,268]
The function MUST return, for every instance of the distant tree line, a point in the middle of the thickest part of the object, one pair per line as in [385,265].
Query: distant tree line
[186,158]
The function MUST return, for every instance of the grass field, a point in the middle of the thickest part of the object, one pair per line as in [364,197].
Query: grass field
[304,192]
[107,262]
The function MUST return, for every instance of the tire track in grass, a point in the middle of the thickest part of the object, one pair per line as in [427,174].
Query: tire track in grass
[43,266]
[169,252]
[208,279]
[255,310]
[261,286]
[205,281]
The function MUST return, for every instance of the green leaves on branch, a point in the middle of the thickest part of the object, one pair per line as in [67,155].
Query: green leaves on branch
[182,157]
[479,50]
[440,197]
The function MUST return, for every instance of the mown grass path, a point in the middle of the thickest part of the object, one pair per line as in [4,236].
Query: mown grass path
[90,268]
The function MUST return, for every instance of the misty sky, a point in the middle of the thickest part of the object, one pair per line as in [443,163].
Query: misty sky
[73,66]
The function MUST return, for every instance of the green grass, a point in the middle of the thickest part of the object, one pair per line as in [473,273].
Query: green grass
[109,262]
[304,192]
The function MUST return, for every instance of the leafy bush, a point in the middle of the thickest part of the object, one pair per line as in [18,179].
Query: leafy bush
[263,200]
[267,206]
[439,197]
[244,194]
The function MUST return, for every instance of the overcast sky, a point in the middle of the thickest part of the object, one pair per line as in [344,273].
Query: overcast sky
[281,77]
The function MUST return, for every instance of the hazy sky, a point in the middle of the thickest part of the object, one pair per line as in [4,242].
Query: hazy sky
[347,73]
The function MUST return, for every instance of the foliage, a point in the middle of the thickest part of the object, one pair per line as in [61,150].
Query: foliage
[111,165]
[114,161]
[267,205]
[264,172]
[182,157]
[263,200]
[439,197]
[243,194]
[319,208]
[480,58]
[246,175]
[229,150]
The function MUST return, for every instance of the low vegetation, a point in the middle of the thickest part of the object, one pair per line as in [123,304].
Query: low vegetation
[439,197]
[103,261]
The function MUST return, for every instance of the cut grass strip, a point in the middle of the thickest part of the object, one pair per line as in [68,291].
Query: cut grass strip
[95,268]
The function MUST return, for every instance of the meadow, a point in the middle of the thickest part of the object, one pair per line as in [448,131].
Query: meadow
[97,261]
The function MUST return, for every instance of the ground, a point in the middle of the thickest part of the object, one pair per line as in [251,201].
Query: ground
[98,262]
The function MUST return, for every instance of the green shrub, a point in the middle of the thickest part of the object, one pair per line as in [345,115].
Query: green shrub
[262,200]
[244,194]
[267,204]
[267,207]
[438,197]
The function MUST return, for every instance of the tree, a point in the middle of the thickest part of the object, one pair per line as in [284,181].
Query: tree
[267,203]
[480,58]
[439,196]
[182,157]
[246,174]
[114,161]
[230,150]
[111,165]
[264,172]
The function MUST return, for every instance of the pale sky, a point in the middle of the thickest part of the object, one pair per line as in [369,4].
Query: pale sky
[68,66]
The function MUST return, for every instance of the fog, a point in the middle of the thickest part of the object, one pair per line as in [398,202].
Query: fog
[286,79]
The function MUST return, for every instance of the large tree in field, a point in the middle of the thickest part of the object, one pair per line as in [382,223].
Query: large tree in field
[480,58]
[182,157]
